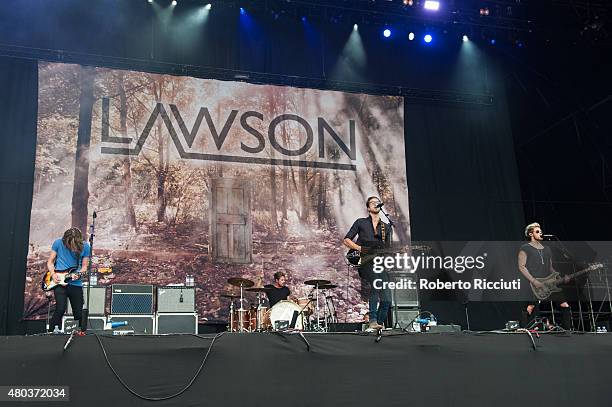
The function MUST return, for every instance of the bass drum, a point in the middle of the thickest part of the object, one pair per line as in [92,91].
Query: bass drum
[281,315]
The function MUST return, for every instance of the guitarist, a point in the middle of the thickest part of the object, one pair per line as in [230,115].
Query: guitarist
[68,252]
[373,233]
[535,261]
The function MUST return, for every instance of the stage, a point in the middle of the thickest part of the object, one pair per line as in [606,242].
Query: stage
[332,369]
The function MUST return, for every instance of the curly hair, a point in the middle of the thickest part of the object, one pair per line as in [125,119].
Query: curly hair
[73,240]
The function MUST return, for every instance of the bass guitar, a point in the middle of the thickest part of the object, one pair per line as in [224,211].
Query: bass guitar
[551,283]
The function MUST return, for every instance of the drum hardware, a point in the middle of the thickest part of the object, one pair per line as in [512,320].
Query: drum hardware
[242,283]
[317,283]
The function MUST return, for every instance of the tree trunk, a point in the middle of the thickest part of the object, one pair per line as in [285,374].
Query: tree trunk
[80,191]
[126,178]
[273,204]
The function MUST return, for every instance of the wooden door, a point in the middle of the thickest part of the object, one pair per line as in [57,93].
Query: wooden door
[230,221]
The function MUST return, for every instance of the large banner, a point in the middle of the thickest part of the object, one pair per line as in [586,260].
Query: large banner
[210,179]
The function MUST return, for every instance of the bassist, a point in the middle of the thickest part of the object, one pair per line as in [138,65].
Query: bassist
[535,261]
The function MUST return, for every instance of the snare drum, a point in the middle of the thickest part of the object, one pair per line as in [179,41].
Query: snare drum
[283,312]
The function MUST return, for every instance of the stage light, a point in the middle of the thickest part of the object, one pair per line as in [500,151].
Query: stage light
[387,33]
[427,38]
[208,6]
[304,19]
[242,11]
[493,41]
[174,2]
[355,27]
[465,38]
[411,36]
[431,5]
[150,1]
[408,2]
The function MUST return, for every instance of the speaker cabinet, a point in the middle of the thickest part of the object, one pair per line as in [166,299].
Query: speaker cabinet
[132,299]
[96,302]
[140,324]
[176,323]
[176,299]
[95,323]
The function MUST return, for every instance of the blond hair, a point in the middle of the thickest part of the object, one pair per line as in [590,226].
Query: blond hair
[529,228]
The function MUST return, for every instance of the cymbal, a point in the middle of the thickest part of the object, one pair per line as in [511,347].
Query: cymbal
[239,281]
[229,295]
[317,282]
[258,289]
[328,286]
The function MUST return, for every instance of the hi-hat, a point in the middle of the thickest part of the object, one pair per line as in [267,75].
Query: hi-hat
[240,282]
[328,286]
[317,282]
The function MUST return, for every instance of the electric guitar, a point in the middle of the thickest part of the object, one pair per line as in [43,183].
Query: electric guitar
[367,254]
[65,276]
[551,283]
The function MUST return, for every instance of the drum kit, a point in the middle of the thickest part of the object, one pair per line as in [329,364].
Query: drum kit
[311,313]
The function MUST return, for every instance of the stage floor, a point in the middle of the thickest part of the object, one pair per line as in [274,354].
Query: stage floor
[333,369]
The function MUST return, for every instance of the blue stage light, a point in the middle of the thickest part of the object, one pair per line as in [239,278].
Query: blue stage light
[242,11]
[427,38]
[387,33]
[493,41]
[411,36]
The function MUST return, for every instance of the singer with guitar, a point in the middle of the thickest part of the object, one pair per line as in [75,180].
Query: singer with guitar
[535,263]
[68,261]
[372,234]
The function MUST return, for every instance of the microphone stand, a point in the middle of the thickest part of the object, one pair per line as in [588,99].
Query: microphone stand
[92,230]
[394,304]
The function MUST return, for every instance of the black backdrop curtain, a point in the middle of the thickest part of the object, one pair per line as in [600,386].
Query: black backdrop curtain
[18,113]
[463,186]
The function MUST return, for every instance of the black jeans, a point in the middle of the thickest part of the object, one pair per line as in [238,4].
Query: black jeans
[527,319]
[62,294]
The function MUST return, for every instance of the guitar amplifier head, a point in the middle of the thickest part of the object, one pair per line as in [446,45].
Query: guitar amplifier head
[132,299]
[175,299]
[96,302]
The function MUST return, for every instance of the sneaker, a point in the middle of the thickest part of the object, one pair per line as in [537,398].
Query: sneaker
[374,325]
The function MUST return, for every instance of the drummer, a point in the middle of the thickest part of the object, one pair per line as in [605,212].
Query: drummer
[277,291]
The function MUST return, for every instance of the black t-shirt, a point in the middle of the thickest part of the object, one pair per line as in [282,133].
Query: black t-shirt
[277,294]
[538,260]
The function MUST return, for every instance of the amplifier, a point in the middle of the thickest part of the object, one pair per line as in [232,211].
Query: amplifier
[176,299]
[96,302]
[132,299]
[404,297]
[140,324]
[176,323]
[95,323]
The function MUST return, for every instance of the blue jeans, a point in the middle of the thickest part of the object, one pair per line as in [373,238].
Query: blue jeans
[380,300]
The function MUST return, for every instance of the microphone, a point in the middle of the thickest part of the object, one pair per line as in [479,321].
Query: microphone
[95,215]
[549,236]
[380,205]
